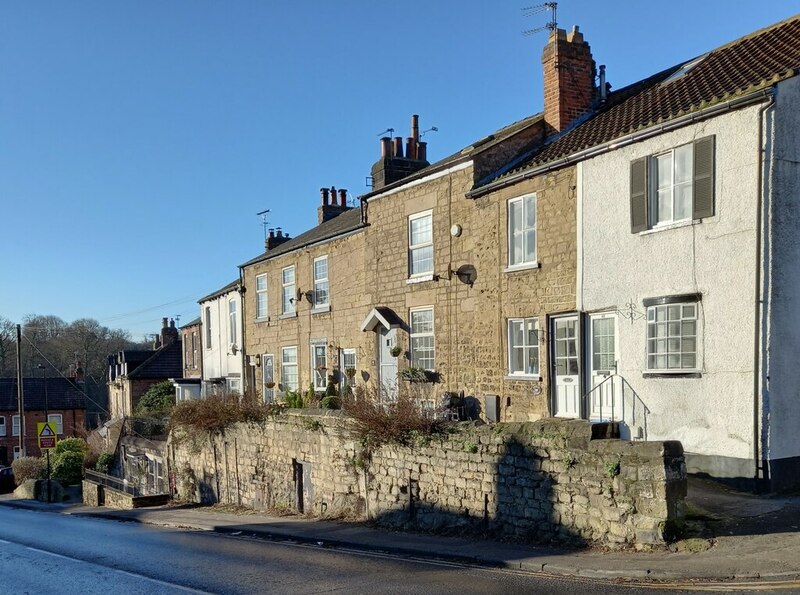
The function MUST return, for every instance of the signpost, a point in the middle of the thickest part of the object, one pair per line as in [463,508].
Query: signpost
[46,433]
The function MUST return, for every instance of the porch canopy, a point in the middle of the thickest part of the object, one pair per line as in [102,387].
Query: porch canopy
[382,316]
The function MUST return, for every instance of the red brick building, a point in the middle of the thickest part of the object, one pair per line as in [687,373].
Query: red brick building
[66,407]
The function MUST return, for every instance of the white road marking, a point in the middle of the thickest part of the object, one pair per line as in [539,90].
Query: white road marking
[106,568]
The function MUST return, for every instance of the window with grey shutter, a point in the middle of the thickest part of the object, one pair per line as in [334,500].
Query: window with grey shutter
[703,178]
[639,195]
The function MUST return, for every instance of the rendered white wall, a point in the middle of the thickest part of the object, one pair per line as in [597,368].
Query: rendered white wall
[713,414]
[220,360]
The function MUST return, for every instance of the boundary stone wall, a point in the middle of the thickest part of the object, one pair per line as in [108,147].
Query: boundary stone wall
[539,481]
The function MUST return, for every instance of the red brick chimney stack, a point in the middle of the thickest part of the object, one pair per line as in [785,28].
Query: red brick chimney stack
[331,207]
[569,73]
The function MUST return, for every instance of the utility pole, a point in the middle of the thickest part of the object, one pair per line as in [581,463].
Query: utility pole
[20,401]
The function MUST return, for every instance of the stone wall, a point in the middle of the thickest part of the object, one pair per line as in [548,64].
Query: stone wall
[539,481]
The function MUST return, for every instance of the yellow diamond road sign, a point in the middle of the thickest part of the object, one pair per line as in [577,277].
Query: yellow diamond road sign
[47,435]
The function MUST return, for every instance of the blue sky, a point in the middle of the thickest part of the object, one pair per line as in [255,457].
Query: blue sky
[138,140]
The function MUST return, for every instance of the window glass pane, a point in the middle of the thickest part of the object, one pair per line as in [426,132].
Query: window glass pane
[533,361]
[422,260]
[288,275]
[683,163]
[664,171]
[683,202]
[530,212]
[533,334]
[688,311]
[688,327]
[421,230]
[530,245]
[261,282]
[689,360]
[573,366]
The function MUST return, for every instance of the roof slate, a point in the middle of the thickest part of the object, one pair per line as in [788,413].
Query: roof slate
[339,225]
[221,291]
[736,69]
[61,394]
[165,363]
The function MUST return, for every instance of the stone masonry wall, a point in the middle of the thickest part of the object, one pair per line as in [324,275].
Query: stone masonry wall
[539,481]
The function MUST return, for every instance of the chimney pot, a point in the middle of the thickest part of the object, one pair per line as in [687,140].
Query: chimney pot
[342,197]
[386,147]
[410,146]
[324,194]
[164,322]
[398,147]
[422,151]
[415,128]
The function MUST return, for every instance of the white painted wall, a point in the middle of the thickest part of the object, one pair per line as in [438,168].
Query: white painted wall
[711,415]
[782,181]
[221,359]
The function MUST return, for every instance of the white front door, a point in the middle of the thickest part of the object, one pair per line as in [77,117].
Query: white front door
[605,396]
[268,374]
[566,366]
[387,363]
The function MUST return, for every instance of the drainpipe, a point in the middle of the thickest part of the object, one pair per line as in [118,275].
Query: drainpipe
[758,464]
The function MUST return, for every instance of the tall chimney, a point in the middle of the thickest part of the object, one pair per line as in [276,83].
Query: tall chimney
[392,165]
[569,73]
[324,193]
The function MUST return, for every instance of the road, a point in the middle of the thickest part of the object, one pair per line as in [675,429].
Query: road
[51,553]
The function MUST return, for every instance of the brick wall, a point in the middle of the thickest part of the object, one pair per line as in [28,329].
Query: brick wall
[539,481]
[73,422]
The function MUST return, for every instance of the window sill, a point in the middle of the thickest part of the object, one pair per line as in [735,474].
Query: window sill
[668,226]
[672,374]
[522,267]
[420,279]
[523,377]
[262,319]
[321,309]
[287,316]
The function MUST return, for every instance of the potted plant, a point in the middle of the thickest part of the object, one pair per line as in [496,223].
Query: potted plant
[350,373]
[269,384]
[418,375]
[396,351]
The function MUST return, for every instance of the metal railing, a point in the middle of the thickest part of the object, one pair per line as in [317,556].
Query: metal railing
[115,483]
[628,414]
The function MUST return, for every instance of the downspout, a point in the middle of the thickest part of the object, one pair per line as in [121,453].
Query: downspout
[758,466]
[245,368]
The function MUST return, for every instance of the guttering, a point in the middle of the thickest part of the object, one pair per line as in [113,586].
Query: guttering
[267,256]
[758,464]
[416,182]
[622,141]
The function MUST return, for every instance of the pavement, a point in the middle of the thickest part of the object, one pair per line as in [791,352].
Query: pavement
[733,536]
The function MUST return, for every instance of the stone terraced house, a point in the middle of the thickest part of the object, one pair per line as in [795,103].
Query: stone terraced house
[625,256]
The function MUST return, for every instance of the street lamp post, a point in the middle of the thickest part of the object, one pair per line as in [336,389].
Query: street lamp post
[46,421]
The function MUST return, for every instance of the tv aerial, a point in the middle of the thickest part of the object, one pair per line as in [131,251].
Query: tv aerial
[538,9]
[264,222]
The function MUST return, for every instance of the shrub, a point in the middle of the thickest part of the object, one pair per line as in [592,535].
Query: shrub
[158,400]
[68,467]
[28,468]
[294,399]
[331,402]
[77,445]
[403,421]
[104,462]
[217,412]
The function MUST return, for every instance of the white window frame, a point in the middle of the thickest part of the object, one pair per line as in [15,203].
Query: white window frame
[288,294]
[662,322]
[416,335]
[319,357]
[194,350]
[286,366]
[209,343]
[348,354]
[2,425]
[655,189]
[58,420]
[524,232]
[414,249]
[526,347]
[262,297]
[17,452]
[15,425]
[321,284]
[232,320]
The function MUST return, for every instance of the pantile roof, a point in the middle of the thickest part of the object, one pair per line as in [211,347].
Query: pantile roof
[61,394]
[736,69]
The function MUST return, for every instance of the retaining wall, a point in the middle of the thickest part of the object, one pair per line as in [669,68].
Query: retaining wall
[537,481]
